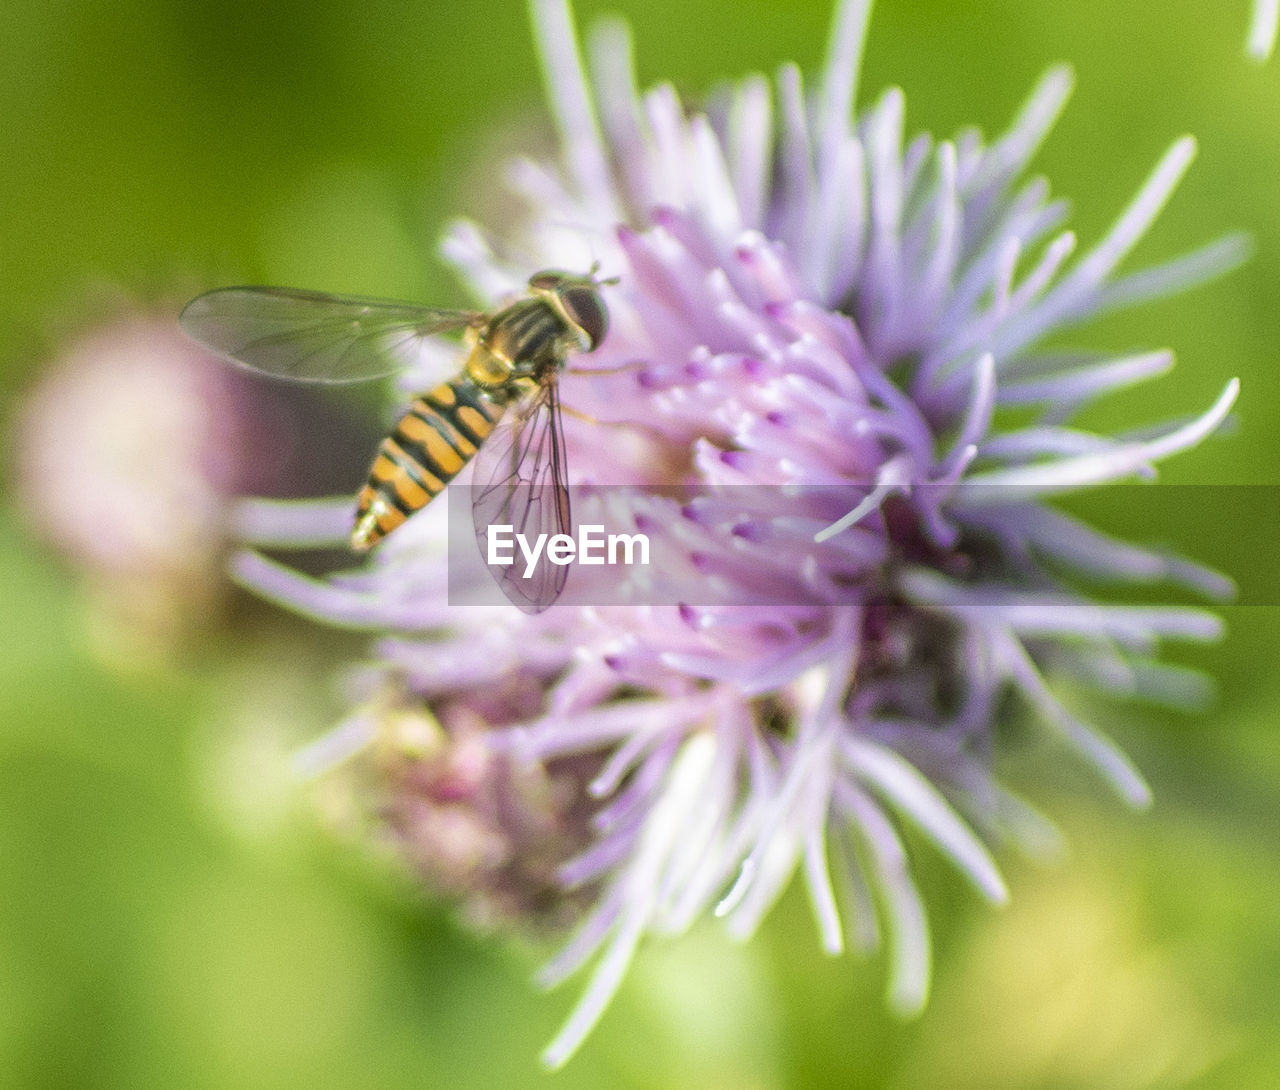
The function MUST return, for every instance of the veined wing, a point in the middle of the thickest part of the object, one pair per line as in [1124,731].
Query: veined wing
[520,481]
[314,337]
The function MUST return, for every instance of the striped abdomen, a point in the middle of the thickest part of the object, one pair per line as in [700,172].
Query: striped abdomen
[433,441]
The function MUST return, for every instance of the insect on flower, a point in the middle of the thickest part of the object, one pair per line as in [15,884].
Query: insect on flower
[514,359]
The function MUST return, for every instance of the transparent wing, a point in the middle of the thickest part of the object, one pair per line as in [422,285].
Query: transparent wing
[315,337]
[520,481]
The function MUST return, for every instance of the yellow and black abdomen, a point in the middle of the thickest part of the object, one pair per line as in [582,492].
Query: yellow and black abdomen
[432,442]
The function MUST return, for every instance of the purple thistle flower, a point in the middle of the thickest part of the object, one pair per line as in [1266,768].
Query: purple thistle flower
[801,300]
[471,822]
[135,501]
[128,455]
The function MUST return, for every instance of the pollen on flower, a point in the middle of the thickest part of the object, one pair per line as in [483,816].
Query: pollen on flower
[814,324]
[471,824]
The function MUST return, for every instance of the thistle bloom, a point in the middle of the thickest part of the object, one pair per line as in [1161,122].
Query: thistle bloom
[801,300]
[134,501]
[128,454]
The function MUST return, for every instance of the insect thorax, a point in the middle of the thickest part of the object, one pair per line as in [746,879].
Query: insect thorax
[523,341]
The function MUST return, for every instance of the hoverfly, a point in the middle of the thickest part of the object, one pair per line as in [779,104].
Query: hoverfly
[502,407]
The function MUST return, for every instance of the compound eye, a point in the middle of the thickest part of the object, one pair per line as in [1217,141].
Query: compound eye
[584,307]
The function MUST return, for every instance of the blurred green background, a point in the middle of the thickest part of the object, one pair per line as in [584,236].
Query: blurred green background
[169,913]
